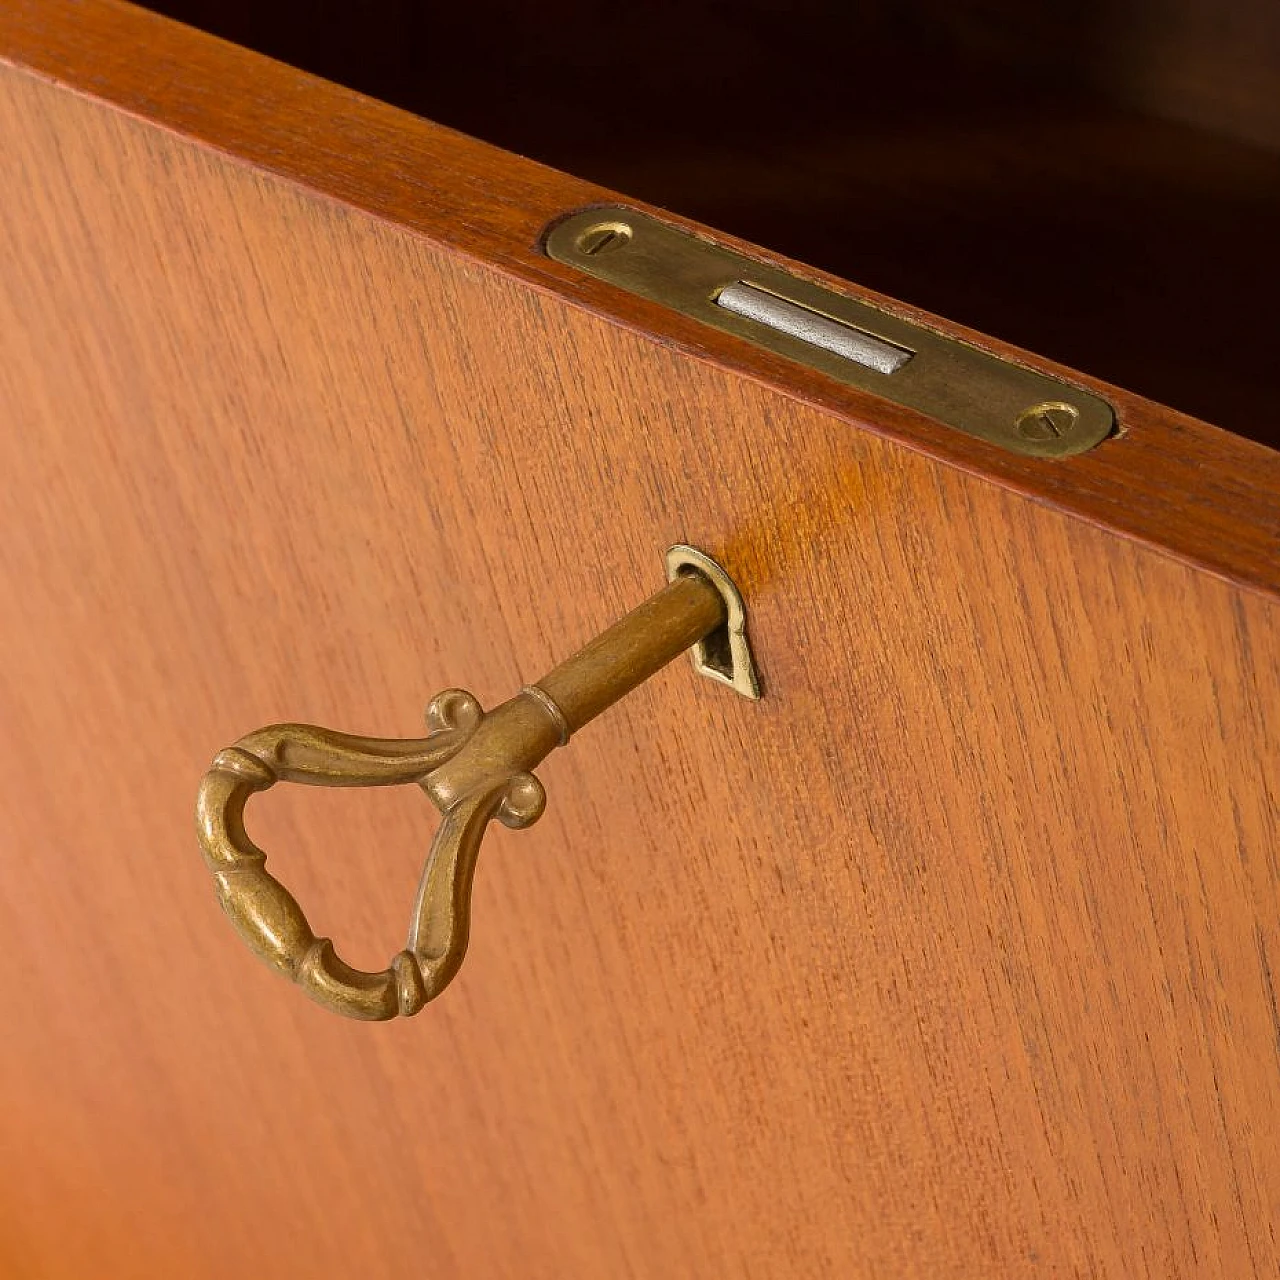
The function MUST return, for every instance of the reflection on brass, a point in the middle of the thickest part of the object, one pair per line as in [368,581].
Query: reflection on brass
[845,338]
[475,766]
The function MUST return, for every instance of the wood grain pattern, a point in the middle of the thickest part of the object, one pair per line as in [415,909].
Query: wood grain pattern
[1170,481]
[954,957]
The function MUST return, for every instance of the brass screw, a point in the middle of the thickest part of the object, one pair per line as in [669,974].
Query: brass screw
[1049,421]
[604,237]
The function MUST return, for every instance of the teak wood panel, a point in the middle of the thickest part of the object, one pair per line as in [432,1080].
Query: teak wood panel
[955,956]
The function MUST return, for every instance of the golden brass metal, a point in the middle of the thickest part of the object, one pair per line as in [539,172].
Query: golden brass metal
[475,766]
[953,382]
[723,654]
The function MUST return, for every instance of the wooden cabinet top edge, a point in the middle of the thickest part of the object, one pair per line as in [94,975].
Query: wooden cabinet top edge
[1181,486]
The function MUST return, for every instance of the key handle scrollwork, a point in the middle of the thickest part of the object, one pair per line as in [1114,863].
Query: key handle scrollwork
[474,766]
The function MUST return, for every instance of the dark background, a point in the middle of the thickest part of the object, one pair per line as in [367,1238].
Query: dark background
[1098,182]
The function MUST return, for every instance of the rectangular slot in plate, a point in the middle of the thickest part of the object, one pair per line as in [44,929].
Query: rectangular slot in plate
[850,340]
[745,299]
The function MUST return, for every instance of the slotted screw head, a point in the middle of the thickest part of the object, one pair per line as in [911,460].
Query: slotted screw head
[604,237]
[1048,421]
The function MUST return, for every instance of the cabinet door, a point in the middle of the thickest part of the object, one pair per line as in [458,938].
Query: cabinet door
[954,956]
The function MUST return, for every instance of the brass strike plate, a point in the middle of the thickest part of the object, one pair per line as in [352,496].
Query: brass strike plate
[846,339]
